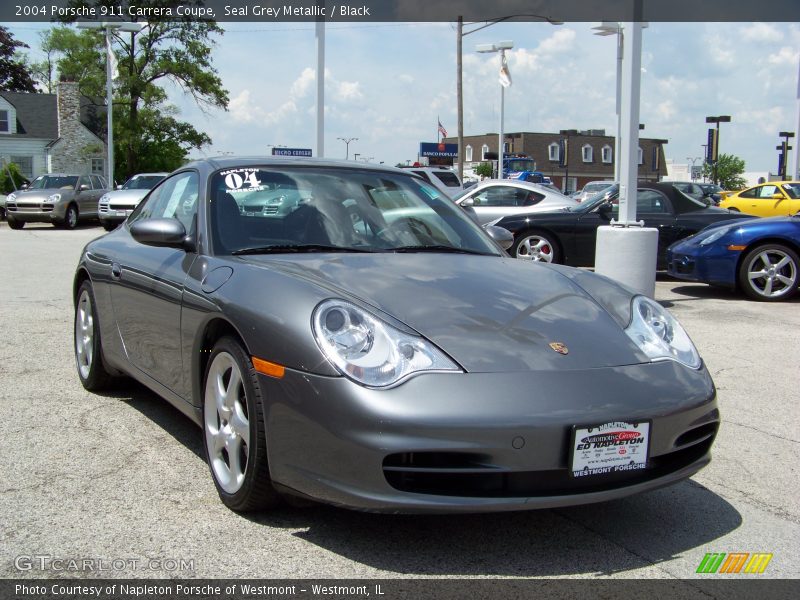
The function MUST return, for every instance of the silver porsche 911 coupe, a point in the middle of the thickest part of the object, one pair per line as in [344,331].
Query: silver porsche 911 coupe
[345,333]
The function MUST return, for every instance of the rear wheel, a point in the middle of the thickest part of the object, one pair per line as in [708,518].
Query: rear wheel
[537,246]
[234,430]
[770,273]
[88,346]
[13,224]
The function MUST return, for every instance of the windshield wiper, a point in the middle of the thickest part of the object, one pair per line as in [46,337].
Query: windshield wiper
[286,248]
[435,248]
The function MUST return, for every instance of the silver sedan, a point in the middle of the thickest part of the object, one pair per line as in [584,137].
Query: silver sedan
[494,199]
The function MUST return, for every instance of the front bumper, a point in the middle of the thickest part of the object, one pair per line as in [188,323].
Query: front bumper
[713,264]
[46,212]
[108,213]
[480,442]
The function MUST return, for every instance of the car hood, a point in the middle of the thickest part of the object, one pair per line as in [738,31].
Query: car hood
[39,195]
[125,196]
[490,314]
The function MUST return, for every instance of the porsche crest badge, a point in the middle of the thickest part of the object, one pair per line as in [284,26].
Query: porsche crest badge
[559,347]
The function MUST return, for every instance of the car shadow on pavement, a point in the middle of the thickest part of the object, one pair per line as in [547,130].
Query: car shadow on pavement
[598,539]
[595,539]
[160,412]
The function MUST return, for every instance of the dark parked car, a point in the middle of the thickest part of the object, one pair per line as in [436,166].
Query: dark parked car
[569,236]
[760,257]
[56,198]
[369,345]
[707,193]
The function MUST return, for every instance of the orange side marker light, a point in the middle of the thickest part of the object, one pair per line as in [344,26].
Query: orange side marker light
[268,368]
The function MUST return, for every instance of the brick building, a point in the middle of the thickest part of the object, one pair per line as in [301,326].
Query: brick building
[590,155]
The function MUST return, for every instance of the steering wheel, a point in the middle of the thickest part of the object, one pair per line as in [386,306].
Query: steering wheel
[401,228]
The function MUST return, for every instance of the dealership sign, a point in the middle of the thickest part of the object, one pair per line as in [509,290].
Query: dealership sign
[291,152]
[433,150]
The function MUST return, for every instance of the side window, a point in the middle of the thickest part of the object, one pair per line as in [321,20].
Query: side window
[650,202]
[173,198]
[500,195]
[767,191]
[751,193]
[424,175]
[84,180]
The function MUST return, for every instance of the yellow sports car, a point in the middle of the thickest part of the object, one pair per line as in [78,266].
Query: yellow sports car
[771,199]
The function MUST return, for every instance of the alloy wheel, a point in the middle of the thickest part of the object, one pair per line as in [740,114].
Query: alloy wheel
[227,422]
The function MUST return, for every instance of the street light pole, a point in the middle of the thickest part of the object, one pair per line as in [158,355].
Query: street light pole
[460,33]
[784,148]
[505,81]
[347,145]
[110,26]
[715,147]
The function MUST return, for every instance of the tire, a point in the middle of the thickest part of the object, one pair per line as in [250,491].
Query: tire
[70,217]
[2,213]
[233,426]
[13,224]
[537,246]
[87,343]
[770,273]
[108,226]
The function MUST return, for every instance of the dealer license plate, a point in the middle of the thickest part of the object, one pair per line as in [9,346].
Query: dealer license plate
[610,448]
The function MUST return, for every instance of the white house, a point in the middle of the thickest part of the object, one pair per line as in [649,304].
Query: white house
[46,133]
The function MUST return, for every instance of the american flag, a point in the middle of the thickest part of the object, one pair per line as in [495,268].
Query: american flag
[442,130]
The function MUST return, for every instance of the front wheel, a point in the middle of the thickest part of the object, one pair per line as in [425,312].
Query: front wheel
[109,226]
[70,217]
[88,346]
[14,224]
[770,273]
[536,246]
[234,430]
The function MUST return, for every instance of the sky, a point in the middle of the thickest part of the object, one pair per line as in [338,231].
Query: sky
[387,84]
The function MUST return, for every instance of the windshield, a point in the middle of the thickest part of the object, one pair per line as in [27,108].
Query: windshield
[792,189]
[591,188]
[52,182]
[261,209]
[520,164]
[142,182]
[598,198]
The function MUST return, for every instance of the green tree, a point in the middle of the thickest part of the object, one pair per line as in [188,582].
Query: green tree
[178,51]
[7,172]
[14,76]
[484,169]
[729,172]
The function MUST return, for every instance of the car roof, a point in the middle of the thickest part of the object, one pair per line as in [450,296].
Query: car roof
[216,163]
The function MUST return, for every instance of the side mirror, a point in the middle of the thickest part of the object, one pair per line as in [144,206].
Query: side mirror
[605,210]
[503,237]
[24,186]
[167,233]
[83,187]
[119,186]
[467,202]
[777,196]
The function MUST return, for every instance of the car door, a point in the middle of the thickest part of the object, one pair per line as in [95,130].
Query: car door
[792,203]
[498,201]
[148,283]
[83,197]
[655,209]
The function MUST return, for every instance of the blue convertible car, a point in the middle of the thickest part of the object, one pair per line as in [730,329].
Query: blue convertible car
[757,256]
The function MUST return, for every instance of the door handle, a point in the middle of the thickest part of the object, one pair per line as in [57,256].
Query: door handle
[116,271]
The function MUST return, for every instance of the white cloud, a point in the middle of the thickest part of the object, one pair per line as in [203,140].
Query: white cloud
[761,32]
[784,56]
[242,109]
[347,90]
[561,41]
[301,86]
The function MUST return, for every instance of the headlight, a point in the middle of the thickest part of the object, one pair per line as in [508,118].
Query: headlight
[105,198]
[659,335]
[369,350]
[11,197]
[54,198]
[714,236]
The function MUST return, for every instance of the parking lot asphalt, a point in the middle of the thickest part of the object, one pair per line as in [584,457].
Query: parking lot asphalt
[119,478]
